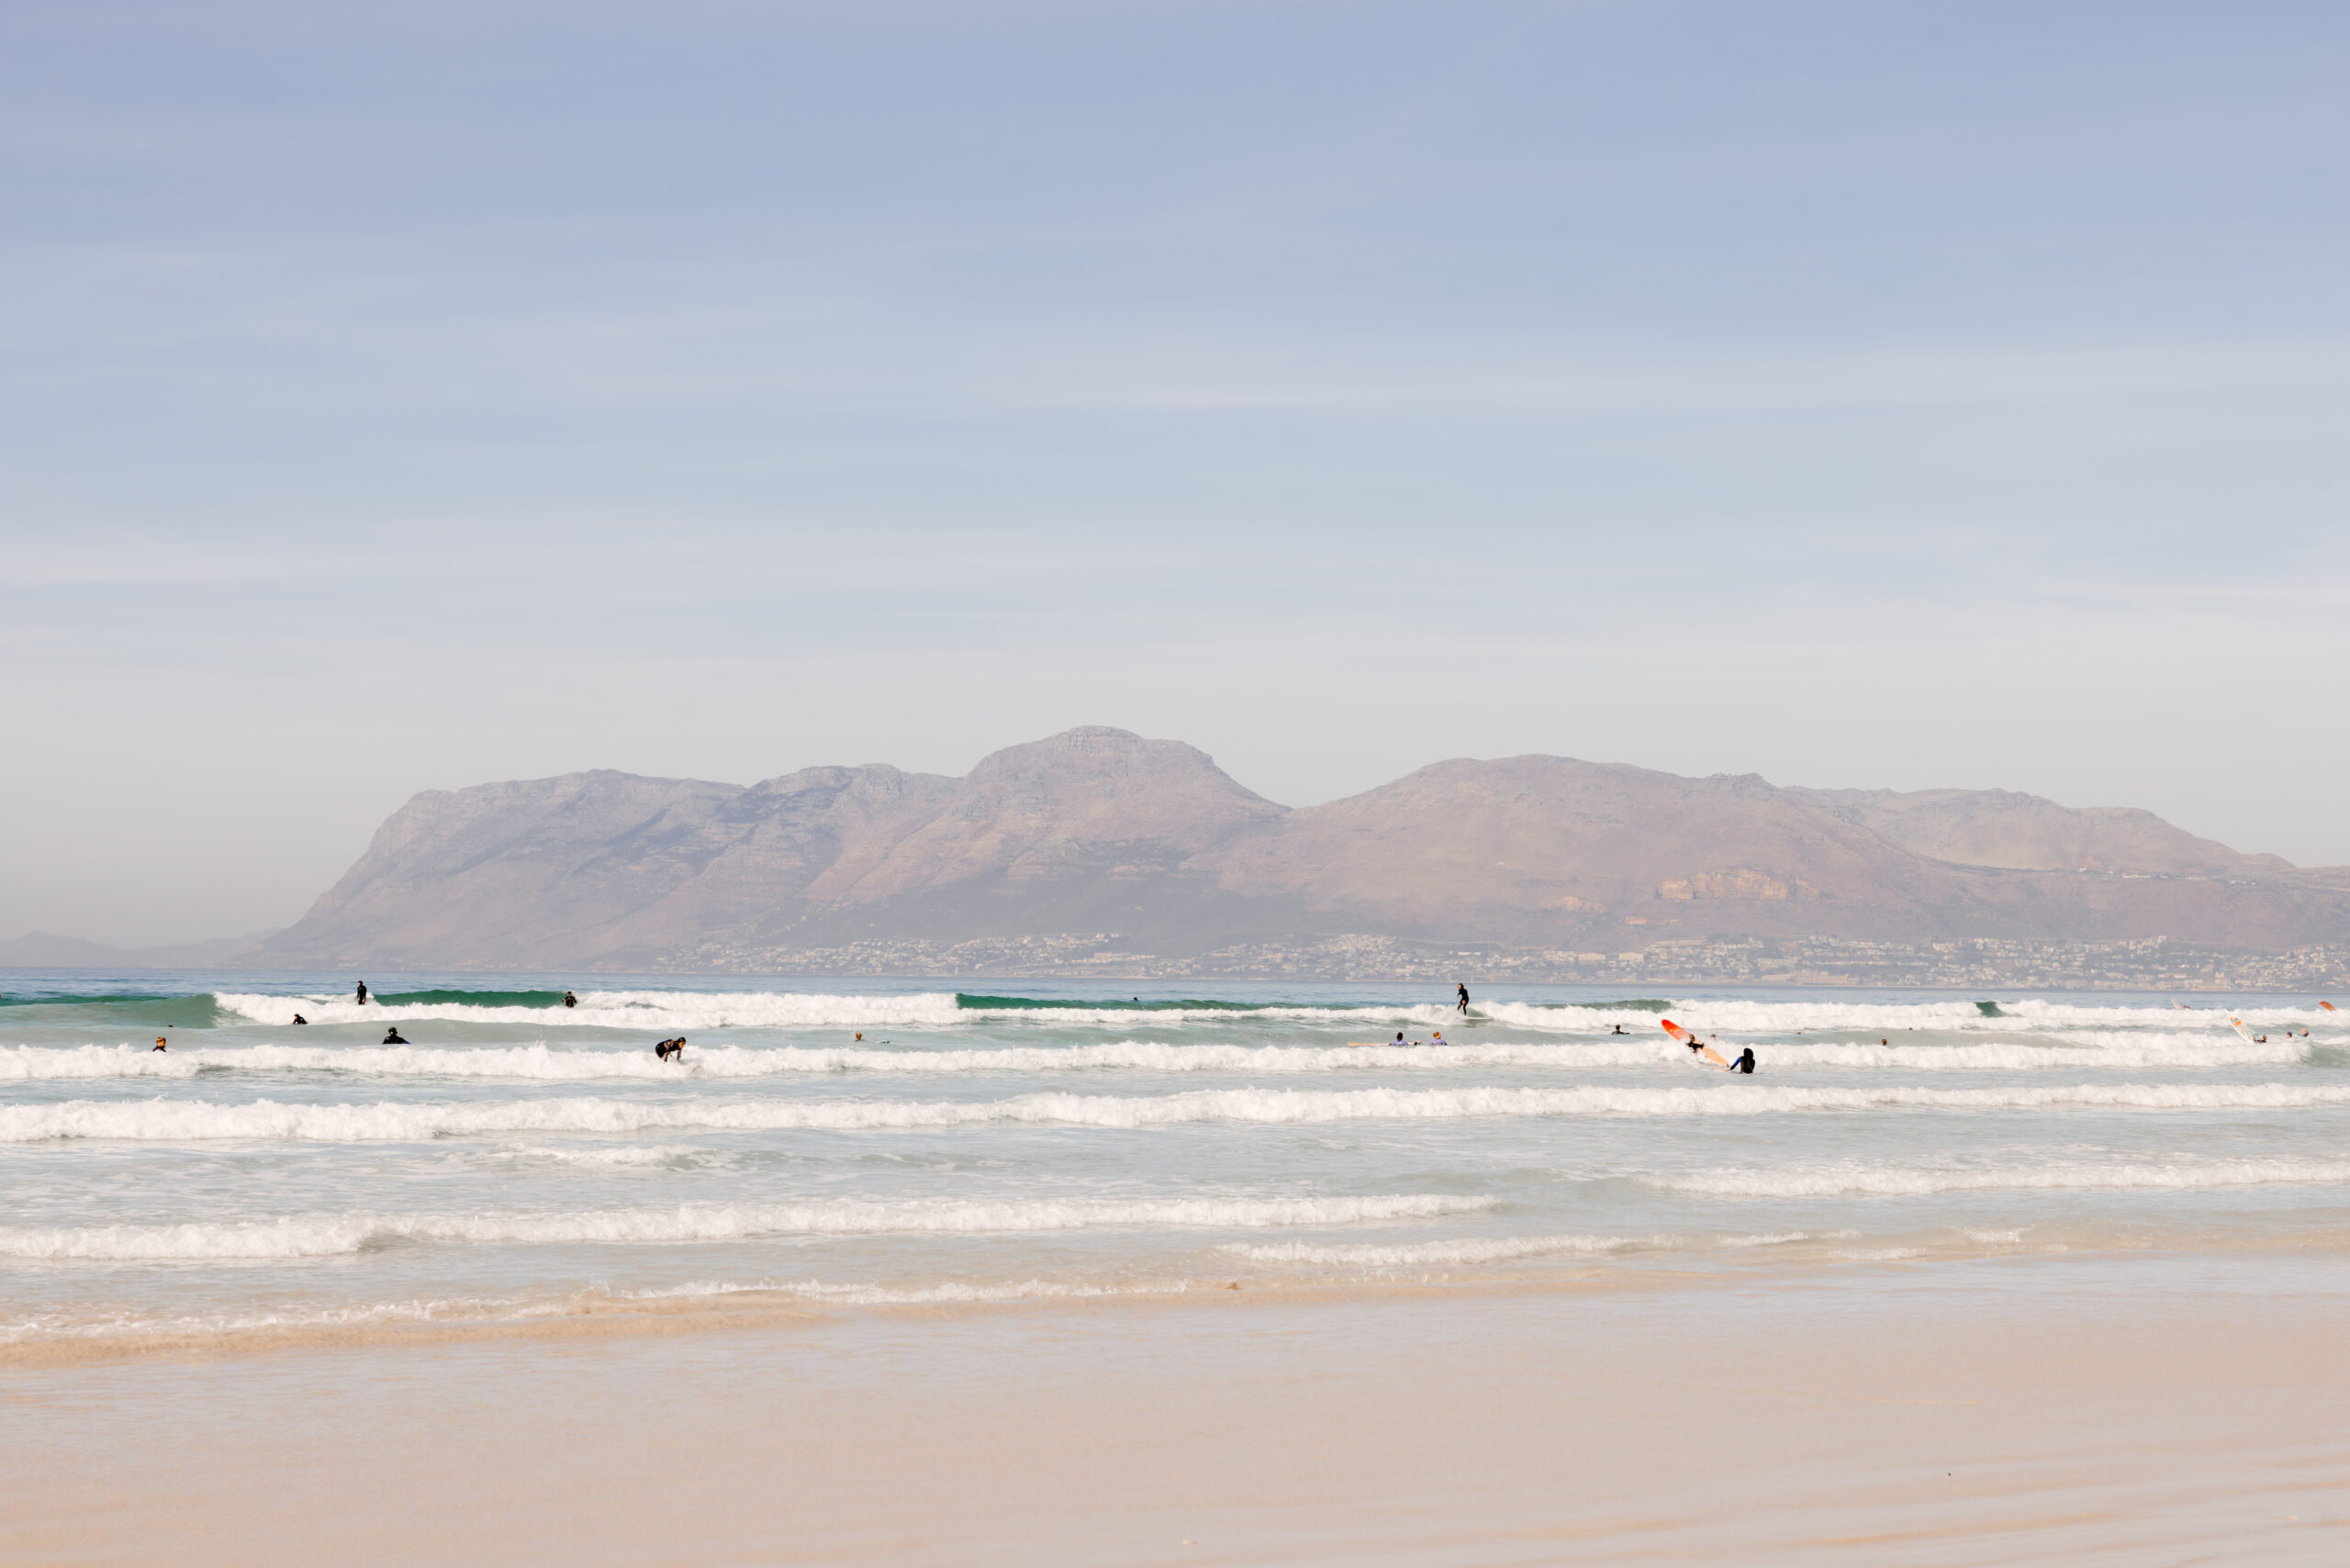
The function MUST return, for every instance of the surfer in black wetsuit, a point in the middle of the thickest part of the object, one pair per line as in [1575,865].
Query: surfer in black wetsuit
[362,993]
[1618,1030]
[160,1044]
[392,1037]
[299,1019]
[1464,999]
[569,1000]
[1745,1062]
[668,1048]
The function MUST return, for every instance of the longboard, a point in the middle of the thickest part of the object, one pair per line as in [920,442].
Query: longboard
[2237,1025]
[1686,1038]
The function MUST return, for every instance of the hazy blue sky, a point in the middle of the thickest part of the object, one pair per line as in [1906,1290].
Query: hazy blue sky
[401,396]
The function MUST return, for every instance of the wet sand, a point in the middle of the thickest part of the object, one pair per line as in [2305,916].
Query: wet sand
[1990,1413]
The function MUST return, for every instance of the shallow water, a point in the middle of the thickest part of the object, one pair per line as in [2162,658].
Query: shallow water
[1042,1138]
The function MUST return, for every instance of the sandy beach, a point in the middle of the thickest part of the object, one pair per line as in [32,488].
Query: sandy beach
[2134,1412]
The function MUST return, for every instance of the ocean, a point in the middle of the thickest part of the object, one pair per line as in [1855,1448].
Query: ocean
[891,1141]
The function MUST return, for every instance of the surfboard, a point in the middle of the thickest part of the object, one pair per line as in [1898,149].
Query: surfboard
[2329,1007]
[1686,1038]
[2237,1025]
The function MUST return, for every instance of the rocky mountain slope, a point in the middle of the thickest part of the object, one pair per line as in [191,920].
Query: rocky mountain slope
[1101,830]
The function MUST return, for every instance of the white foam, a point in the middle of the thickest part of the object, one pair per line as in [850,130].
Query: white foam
[1429,1254]
[586,1064]
[170,1120]
[1853,1179]
[624,1010]
[324,1236]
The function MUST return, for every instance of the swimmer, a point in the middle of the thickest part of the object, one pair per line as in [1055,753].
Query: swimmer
[1438,1039]
[299,1019]
[392,1037]
[569,1000]
[1464,1000]
[1745,1062]
[362,993]
[161,1044]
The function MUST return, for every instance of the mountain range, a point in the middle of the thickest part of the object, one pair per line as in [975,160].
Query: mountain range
[1098,835]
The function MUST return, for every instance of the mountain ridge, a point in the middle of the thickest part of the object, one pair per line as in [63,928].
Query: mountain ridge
[1100,831]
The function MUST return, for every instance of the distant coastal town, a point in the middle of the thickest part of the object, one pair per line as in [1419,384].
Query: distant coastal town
[2155,963]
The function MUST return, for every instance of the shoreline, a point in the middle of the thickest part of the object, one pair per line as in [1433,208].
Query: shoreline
[593,1316]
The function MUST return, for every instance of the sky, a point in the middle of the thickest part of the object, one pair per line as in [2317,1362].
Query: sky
[400,397]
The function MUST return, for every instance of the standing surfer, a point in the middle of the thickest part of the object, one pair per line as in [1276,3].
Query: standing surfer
[1464,1000]
[362,993]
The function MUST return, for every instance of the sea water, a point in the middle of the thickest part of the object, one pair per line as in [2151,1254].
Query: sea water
[517,1157]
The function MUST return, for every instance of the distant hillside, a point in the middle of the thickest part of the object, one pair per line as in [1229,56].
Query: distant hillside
[1098,831]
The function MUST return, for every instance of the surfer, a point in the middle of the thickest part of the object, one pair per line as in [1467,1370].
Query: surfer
[1745,1062]
[160,1044]
[1618,1030]
[299,1019]
[392,1037]
[569,1000]
[671,1048]
[1437,1038]
[1464,999]
[362,993]
[1399,1037]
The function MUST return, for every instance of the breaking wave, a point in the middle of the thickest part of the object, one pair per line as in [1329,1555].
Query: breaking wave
[1856,1180]
[545,1063]
[168,1120]
[326,1236]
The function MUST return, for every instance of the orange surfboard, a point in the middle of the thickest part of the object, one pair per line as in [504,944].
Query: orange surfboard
[1686,1038]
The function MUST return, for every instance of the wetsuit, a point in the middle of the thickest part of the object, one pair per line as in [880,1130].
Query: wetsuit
[569,1000]
[362,993]
[1745,1062]
[299,1019]
[392,1037]
[1464,1000]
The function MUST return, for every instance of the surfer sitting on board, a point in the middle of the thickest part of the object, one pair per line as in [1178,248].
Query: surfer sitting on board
[392,1037]
[1745,1062]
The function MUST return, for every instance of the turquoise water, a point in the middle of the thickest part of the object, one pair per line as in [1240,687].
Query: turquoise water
[1027,1139]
